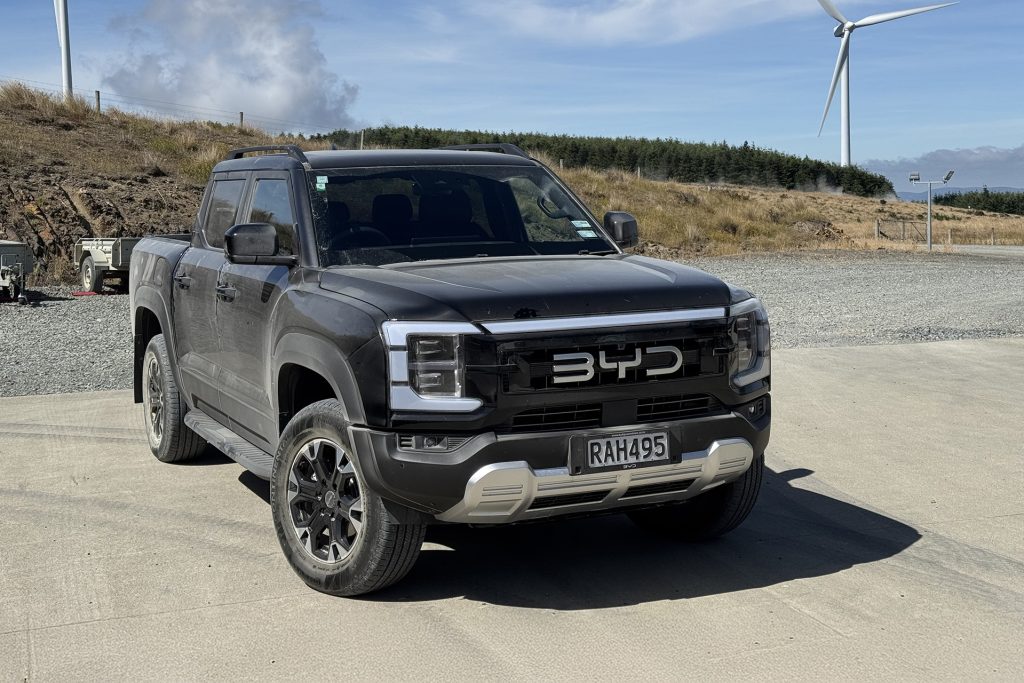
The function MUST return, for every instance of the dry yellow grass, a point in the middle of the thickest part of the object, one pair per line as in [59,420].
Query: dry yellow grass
[732,219]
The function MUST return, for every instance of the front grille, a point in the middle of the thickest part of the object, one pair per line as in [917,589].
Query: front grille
[528,365]
[663,408]
[552,418]
[572,499]
[577,416]
[651,489]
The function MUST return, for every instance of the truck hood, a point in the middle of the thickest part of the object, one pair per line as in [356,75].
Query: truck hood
[544,287]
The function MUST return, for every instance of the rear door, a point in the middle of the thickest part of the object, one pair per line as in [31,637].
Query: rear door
[245,309]
[194,297]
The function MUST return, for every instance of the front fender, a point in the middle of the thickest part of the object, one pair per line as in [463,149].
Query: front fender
[324,358]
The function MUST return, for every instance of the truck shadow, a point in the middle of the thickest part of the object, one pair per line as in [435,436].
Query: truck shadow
[609,562]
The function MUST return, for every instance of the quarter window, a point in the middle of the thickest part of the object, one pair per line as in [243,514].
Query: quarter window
[223,207]
[271,203]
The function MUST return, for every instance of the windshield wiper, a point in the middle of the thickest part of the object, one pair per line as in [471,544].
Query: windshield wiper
[587,252]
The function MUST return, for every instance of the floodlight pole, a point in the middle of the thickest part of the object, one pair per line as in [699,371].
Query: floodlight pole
[915,178]
[60,9]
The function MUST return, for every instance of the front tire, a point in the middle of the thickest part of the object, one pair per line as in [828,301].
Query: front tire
[710,514]
[170,439]
[335,532]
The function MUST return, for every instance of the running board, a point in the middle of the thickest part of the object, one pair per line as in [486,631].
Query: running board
[254,459]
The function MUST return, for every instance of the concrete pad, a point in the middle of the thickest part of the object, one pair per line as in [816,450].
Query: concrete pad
[889,541]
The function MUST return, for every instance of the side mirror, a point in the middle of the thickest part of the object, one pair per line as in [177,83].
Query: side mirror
[622,227]
[254,243]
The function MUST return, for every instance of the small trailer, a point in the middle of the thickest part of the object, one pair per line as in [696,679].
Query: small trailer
[16,263]
[101,257]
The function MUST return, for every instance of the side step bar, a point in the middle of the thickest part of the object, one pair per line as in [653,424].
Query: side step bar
[254,459]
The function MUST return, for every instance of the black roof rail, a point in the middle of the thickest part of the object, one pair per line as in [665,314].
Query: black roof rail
[502,147]
[291,150]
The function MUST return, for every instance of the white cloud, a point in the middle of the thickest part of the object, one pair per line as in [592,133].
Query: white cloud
[257,56]
[636,21]
[991,166]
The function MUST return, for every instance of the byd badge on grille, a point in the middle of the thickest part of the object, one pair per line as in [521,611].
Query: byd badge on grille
[583,369]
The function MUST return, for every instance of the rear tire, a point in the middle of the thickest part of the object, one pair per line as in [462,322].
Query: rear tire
[710,514]
[336,533]
[92,278]
[170,438]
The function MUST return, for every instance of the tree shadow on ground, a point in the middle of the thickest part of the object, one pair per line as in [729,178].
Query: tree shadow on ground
[608,562]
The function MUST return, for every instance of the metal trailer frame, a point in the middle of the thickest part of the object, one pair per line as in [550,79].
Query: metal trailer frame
[110,257]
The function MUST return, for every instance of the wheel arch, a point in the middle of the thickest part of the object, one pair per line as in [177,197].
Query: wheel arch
[149,318]
[326,372]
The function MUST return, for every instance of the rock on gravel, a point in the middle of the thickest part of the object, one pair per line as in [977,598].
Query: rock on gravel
[839,298]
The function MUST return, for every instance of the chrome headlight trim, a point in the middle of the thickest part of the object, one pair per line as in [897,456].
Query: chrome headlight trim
[401,395]
[763,366]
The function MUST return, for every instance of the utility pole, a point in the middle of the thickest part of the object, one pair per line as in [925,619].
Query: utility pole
[915,178]
[60,9]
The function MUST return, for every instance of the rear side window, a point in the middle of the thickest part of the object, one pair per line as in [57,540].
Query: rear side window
[223,207]
[271,203]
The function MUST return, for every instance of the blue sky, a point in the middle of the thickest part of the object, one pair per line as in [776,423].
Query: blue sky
[741,70]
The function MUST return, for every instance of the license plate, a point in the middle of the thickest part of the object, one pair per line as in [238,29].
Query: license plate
[622,452]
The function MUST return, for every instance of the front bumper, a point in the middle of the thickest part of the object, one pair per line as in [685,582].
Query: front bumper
[500,478]
[515,492]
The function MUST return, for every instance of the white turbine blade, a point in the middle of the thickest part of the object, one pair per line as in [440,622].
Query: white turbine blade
[844,53]
[833,11]
[56,16]
[889,16]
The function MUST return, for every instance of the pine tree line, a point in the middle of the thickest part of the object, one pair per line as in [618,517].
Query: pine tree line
[688,162]
[984,200]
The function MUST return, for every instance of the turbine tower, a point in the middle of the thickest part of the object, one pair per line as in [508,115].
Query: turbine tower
[60,11]
[842,71]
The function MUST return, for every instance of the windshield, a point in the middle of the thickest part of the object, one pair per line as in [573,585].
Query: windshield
[377,216]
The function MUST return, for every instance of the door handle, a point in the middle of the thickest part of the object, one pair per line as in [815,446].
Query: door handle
[226,292]
[184,281]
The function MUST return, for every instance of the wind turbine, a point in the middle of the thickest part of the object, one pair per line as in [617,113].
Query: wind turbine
[844,31]
[60,11]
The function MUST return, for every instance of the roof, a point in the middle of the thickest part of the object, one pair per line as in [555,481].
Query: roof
[12,243]
[374,158]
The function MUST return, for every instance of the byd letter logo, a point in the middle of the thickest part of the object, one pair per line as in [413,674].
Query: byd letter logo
[583,369]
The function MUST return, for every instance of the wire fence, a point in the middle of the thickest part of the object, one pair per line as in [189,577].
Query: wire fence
[943,233]
[178,111]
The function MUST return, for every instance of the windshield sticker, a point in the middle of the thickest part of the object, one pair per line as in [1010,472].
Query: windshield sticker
[321,183]
[586,234]
[581,224]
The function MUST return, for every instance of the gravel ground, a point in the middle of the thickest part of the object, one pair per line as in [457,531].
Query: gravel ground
[67,344]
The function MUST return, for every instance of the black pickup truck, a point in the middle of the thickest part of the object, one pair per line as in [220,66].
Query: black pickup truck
[401,338]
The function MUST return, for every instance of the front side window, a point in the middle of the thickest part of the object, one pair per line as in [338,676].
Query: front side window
[376,216]
[271,203]
[223,207]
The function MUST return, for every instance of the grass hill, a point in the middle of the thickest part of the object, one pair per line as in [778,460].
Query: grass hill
[67,171]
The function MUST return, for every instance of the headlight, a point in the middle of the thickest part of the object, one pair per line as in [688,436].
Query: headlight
[435,365]
[426,366]
[751,361]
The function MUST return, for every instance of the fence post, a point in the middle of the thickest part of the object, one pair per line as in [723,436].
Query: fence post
[878,228]
[97,101]
[241,119]
[949,237]
[362,138]
[637,171]
[560,164]
[993,237]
